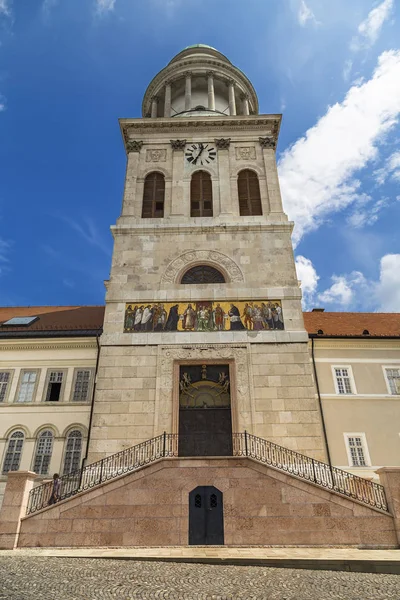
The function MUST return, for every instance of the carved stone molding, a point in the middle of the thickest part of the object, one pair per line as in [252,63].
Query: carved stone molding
[178,144]
[267,142]
[133,146]
[167,395]
[156,155]
[223,143]
[193,257]
[245,153]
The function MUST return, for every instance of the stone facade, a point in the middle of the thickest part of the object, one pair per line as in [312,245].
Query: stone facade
[260,506]
[137,384]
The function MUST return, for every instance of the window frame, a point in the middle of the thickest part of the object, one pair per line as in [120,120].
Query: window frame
[90,387]
[154,199]
[201,200]
[20,382]
[249,200]
[385,369]
[39,434]
[202,265]
[7,445]
[9,384]
[47,381]
[351,377]
[64,454]
[365,449]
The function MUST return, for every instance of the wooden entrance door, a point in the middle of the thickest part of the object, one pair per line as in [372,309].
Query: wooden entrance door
[206,516]
[205,421]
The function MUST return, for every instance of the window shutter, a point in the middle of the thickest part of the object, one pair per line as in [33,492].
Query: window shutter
[153,196]
[249,193]
[201,195]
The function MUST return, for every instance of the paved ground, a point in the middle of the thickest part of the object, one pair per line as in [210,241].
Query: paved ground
[52,578]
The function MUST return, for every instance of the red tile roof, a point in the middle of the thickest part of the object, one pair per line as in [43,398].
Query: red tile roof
[53,319]
[89,319]
[352,323]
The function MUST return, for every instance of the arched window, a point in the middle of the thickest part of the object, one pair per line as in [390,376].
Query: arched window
[201,195]
[203,274]
[153,196]
[249,193]
[14,452]
[44,449]
[73,450]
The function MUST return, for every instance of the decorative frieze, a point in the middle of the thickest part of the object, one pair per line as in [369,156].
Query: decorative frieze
[245,153]
[178,144]
[174,269]
[156,155]
[223,143]
[204,316]
[133,146]
[267,142]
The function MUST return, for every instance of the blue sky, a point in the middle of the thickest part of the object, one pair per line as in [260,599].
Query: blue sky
[70,68]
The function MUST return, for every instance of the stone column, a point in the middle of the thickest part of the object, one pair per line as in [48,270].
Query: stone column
[15,501]
[154,107]
[245,100]
[131,206]
[188,90]
[167,101]
[232,101]
[225,205]
[211,95]
[180,206]
[390,479]
[271,173]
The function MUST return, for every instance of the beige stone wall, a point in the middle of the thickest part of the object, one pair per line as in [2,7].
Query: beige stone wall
[31,418]
[261,506]
[371,410]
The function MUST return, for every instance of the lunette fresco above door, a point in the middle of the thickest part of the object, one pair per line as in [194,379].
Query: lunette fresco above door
[250,315]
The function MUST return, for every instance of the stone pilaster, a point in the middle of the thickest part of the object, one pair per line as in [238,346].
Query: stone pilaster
[19,484]
[390,479]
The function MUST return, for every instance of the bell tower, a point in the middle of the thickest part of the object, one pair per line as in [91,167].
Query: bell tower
[203,331]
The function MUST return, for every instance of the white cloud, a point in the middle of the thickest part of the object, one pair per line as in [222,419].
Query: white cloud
[370,28]
[307,274]
[388,288]
[317,173]
[3,105]
[305,14]
[4,7]
[103,6]
[47,6]
[390,169]
[344,289]
[348,65]
[4,252]
[367,215]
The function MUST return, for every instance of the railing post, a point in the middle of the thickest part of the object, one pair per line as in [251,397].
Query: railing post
[313,467]
[101,470]
[245,442]
[164,443]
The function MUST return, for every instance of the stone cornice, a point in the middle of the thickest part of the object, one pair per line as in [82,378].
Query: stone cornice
[352,343]
[47,344]
[185,228]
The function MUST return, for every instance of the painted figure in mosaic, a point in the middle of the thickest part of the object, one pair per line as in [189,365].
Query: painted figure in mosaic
[248,316]
[138,318]
[147,319]
[130,317]
[267,316]
[189,318]
[159,317]
[173,319]
[279,317]
[219,315]
[234,316]
[202,319]
[258,323]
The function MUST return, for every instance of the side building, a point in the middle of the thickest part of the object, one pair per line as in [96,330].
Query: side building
[48,358]
[48,363]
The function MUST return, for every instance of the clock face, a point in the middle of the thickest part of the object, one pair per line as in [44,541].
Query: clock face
[200,154]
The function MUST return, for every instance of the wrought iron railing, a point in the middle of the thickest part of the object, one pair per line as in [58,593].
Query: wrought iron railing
[322,474]
[104,470]
[244,444]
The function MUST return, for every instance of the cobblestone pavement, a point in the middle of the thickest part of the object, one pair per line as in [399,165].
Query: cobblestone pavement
[50,578]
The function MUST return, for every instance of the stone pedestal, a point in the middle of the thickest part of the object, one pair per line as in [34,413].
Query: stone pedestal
[15,501]
[390,479]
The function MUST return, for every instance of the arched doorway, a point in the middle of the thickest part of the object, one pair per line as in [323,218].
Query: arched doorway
[205,420]
[206,516]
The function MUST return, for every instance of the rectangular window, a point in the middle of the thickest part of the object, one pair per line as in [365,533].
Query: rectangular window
[82,385]
[5,379]
[27,386]
[54,385]
[343,381]
[393,377]
[356,450]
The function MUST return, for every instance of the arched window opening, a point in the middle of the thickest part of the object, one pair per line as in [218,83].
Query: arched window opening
[73,450]
[249,193]
[14,452]
[201,204]
[44,449]
[153,196]
[203,274]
